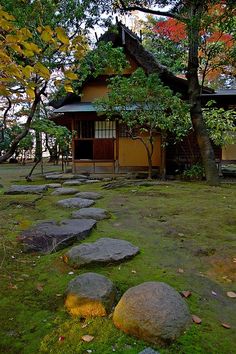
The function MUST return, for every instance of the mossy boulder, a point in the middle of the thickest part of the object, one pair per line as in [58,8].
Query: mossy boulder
[90,295]
[152,311]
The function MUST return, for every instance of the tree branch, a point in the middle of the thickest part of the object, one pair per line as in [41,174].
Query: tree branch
[151,11]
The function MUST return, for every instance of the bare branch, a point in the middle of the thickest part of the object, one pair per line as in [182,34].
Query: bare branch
[151,11]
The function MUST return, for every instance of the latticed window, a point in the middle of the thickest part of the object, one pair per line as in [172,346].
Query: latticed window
[105,129]
[99,129]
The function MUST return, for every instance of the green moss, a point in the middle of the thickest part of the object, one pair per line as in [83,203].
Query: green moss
[186,236]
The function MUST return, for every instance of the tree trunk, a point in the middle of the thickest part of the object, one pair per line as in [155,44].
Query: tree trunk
[194,91]
[38,146]
[20,136]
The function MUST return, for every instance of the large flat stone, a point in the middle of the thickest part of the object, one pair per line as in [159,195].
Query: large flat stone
[26,189]
[91,213]
[104,250]
[75,203]
[89,195]
[90,294]
[51,236]
[64,191]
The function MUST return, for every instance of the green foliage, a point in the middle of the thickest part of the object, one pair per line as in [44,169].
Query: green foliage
[195,172]
[141,101]
[221,124]
[60,134]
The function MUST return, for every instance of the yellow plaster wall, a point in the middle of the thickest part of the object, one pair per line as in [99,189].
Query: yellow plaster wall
[93,90]
[229,152]
[133,153]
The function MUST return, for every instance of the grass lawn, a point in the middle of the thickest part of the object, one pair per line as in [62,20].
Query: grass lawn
[187,236]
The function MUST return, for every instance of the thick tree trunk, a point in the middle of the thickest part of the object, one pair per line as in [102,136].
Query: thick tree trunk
[194,91]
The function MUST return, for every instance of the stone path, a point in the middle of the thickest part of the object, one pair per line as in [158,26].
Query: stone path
[75,203]
[103,251]
[50,236]
[64,191]
[163,317]
[27,189]
[91,213]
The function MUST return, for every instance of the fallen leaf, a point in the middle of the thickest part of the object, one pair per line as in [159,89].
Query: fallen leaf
[87,338]
[39,287]
[231,294]
[133,271]
[12,286]
[214,293]
[180,270]
[58,295]
[196,319]
[225,325]
[61,338]
[84,325]
[185,293]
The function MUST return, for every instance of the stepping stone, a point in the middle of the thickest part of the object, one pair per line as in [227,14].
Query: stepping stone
[59,176]
[64,191]
[92,180]
[90,294]
[53,185]
[104,250]
[26,189]
[73,182]
[88,195]
[148,351]
[91,213]
[152,311]
[75,203]
[50,236]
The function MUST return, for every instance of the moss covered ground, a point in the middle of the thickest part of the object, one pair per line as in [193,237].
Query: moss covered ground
[187,236]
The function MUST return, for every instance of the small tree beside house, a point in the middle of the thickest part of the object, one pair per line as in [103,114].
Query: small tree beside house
[146,107]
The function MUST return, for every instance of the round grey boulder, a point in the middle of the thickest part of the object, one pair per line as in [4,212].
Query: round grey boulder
[91,213]
[90,295]
[152,311]
[104,250]
[75,203]
[88,195]
[64,191]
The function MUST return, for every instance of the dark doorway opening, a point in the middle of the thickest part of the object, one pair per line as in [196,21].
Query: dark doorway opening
[84,149]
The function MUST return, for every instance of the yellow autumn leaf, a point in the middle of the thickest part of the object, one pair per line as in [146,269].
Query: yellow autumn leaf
[32,47]
[30,93]
[61,35]
[6,15]
[3,91]
[46,36]
[15,47]
[27,71]
[63,48]
[5,25]
[68,88]
[25,33]
[11,38]
[42,70]
[28,53]
[70,75]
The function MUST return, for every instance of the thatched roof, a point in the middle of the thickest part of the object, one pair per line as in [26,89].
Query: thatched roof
[122,36]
